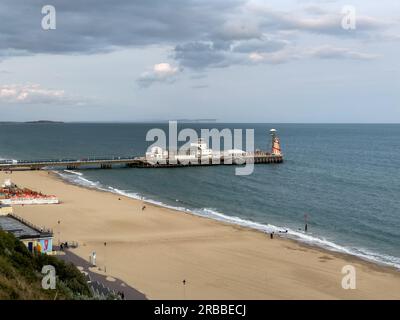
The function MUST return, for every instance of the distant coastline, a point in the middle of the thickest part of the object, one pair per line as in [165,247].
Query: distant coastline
[116,122]
[43,122]
[31,122]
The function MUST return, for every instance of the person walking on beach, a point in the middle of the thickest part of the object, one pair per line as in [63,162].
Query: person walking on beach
[272,235]
[305,222]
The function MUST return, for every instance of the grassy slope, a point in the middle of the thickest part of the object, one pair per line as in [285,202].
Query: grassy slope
[21,278]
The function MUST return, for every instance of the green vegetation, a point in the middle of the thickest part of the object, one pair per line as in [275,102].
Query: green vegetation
[21,278]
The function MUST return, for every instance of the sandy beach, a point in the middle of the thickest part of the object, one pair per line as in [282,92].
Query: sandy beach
[155,249]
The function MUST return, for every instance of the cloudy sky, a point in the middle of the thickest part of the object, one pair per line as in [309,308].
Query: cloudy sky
[232,60]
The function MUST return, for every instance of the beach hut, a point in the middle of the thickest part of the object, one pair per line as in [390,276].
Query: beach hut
[35,238]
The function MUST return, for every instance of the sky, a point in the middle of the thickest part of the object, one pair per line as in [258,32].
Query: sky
[306,61]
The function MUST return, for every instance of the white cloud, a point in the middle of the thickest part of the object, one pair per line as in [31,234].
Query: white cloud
[164,70]
[161,72]
[34,94]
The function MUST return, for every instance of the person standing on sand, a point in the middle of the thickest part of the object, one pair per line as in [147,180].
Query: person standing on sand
[305,222]
[272,235]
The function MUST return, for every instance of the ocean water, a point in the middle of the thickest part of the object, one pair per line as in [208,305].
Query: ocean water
[346,178]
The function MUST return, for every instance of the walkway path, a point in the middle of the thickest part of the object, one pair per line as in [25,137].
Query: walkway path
[116,285]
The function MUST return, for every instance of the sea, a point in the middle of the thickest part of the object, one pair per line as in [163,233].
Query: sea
[343,180]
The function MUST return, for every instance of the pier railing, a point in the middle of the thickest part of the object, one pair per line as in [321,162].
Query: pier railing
[31,225]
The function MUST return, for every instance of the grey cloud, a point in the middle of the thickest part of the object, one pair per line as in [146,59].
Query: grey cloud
[198,76]
[201,55]
[328,52]
[331,24]
[238,29]
[204,55]
[93,26]
[314,19]
[198,55]
[101,25]
[314,9]
[200,86]
[322,52]
[145,81]
[263,45]
[234,41]
[205,34]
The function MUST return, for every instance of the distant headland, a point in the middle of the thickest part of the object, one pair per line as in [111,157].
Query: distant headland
[43,121]
[30,122]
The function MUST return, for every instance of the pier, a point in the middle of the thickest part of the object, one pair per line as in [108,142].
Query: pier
[70,164]
[132,162]
[198,154]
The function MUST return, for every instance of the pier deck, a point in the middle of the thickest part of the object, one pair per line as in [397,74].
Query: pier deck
[131,162]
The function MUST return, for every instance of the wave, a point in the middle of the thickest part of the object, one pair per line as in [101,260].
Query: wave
[211,213]
[79,179]
[74,172]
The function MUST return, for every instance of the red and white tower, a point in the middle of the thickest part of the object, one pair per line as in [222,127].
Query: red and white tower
[276,146]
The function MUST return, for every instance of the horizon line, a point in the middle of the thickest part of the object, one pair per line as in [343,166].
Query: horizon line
[179,121]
